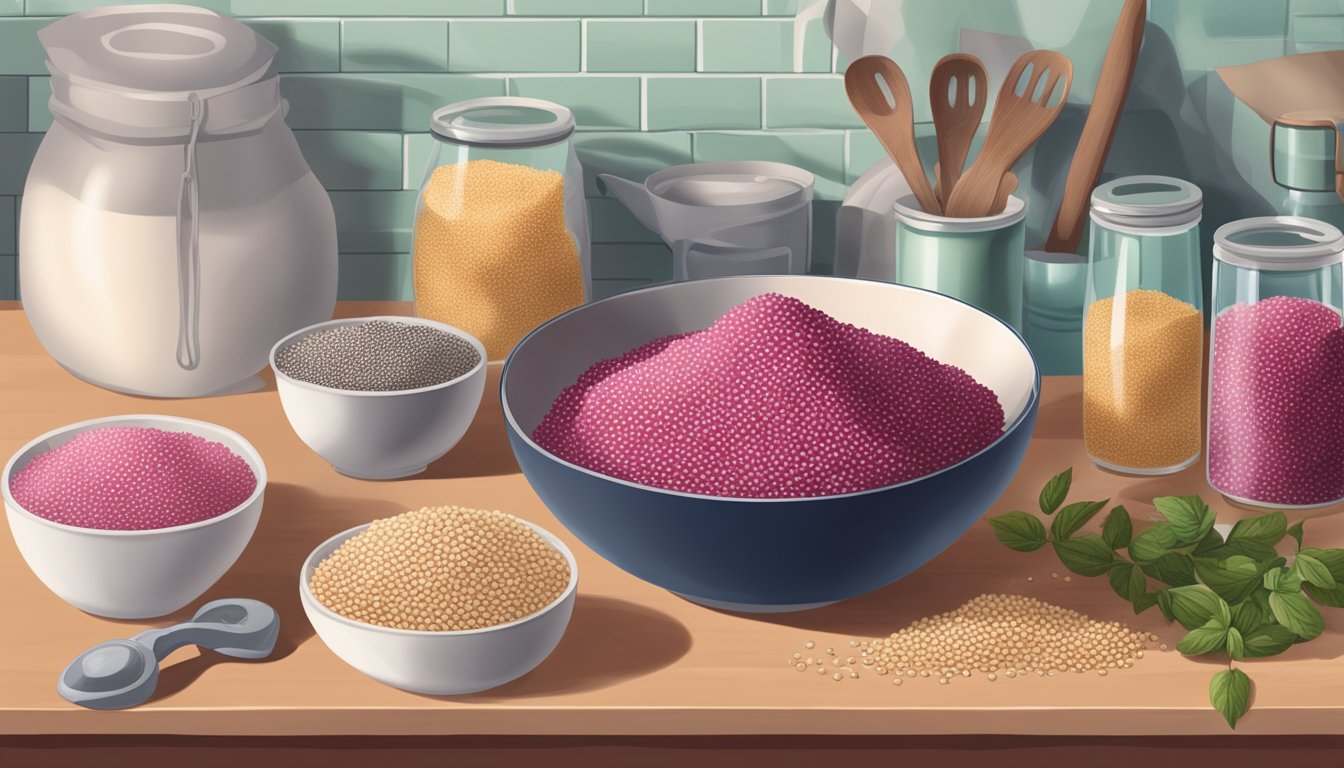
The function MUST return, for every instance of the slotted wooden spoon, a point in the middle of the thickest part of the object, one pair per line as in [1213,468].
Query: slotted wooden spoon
[892,121]
[1018,121]
[957,95]
[1006,187]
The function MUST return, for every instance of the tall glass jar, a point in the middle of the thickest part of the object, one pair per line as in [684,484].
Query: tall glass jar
[1276,378]
[1143,329]
[501,228]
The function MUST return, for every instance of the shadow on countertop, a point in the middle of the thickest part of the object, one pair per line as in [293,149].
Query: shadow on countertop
[294,520]
[608,642]
[484,451]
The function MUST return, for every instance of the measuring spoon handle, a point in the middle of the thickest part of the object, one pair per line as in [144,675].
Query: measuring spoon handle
[238,627]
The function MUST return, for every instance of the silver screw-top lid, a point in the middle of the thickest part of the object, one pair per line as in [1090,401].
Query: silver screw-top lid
[1147,202]
[503,121]
[1279,243]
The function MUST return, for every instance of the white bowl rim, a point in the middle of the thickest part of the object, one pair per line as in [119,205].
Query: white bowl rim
[240,446]
[1008,429]
[408,320]
[551,539]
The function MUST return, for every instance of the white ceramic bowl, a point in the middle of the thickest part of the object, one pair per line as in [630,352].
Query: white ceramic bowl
[381,435]
[441,663]
[134,574]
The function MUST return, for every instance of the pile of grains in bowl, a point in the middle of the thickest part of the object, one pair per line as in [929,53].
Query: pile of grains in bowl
[776,399]
[133,479]
[378,356]
[441,569]
[994,635]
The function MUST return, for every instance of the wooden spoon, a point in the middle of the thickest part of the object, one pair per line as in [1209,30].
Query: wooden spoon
[1006,187]
[957,96]
[1018,121]
[1117,69]
[892,121]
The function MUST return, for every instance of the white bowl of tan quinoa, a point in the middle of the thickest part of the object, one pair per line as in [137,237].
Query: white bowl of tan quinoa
[441,600]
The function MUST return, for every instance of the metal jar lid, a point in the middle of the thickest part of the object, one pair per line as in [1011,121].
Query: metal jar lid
[503,121]
[143,71]
[1279,243]
[1147,203]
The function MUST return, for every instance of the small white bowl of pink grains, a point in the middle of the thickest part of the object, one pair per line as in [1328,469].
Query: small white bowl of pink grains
[380,397]
[441,600]
[132,517]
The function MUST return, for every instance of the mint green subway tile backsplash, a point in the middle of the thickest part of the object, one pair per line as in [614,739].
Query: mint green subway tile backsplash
[354,160]
[20,53]
[808,101]
[39,114]
[763,45]
[393,8]
[649,261]
[612,222]
[59,7]
[514,45]
[378,102]
[16,154]
[394,45]
[632,155]
[703,7]
[374,222]
[9,273]
[9,240]
[13,104]
[599,102]
[641,45]
[576,7]
[821,152]
[11,7]
[384,276]
[703,102]
[306,45]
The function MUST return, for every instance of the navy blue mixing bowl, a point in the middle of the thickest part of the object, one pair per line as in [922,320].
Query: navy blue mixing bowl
[770,554]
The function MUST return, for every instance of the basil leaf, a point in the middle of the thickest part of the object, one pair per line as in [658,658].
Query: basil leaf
[1190,518]
[1073,517]
[1332,559]
[1333,598]
[1296,532]
[1173,568]
[1210,543]
[1127,581]
[1247,616]
[1261,553]
[1086,555]
[1313,571]
[1282,581]
[1268,640]
[1295,613]
[1145,601]
[1236,646]
[1153,543]
[1266,529]
[1118,529]
[1230,694]
[1202,640]
[1055,491]
[1233,580]
[1164,603]
[1196,605]
[1019,531]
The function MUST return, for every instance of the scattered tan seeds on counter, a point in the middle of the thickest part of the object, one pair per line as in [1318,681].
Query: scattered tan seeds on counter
[441,569]
[809,644]
[1068,578]
[800,667]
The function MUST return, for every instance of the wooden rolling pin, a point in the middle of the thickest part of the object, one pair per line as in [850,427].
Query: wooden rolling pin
[1102,118]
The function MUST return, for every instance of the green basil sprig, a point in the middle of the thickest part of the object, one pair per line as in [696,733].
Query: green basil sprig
[1234,595]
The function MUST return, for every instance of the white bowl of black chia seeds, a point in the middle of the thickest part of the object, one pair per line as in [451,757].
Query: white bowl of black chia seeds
[380,397]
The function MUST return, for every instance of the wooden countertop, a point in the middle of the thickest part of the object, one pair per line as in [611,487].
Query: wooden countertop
[636,659]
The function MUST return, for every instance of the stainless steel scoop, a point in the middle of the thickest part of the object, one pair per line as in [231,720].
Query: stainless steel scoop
[122,673]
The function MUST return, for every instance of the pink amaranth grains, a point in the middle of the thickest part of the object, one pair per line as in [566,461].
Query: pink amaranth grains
[776,399]
[1276,425]
[133,478]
